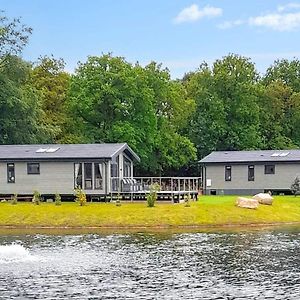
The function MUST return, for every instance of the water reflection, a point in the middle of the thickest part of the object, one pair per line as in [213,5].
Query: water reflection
[199,265]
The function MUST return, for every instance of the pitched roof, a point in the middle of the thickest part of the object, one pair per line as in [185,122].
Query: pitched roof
[252,156]
[64,151]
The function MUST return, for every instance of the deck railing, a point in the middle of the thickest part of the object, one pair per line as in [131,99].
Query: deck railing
[165,184]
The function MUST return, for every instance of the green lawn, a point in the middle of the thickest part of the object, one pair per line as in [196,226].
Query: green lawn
[209,210]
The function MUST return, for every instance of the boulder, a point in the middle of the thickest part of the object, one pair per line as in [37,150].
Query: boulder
[264,198]
[246,203]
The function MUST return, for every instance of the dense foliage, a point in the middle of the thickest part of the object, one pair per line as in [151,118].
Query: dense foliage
[169,123]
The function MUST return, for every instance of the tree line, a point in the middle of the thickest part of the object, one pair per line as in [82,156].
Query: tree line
[169,123]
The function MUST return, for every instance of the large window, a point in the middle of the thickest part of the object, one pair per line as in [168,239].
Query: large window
[227,173]
[269,169]
[98,174]
[115,167]
[251,173]
[126,167]
[33,168]
[11,173]
[78,175]
[88,176]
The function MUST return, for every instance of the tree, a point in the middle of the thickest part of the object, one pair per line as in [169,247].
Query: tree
[114,101]
[13,37]
[50,79]
[295,187]
[227,106]
[20,111]
[288,72]
[279,114]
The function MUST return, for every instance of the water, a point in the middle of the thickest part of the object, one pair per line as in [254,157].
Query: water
[212,265]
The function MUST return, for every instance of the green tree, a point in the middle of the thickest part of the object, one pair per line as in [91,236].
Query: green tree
[114,101]
[227,105]
[20,110]
[50,79]
[13,37]
[207,126]
[277,111]
[285,71]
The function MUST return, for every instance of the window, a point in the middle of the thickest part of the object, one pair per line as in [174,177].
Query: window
[269,169]
[78,175]
[251,173]
[11,173]
[33,168]
[98,174]
[227,173]
[126,167]
[88,176]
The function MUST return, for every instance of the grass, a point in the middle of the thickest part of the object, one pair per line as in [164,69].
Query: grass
[209,210]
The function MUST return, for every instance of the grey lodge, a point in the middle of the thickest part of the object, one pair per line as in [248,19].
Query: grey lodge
[249,172]
[52,169]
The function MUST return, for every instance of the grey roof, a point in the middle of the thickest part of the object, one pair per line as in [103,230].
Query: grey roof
[252,156]
[64,151]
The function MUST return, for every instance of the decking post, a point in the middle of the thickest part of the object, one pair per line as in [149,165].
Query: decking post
[172,196]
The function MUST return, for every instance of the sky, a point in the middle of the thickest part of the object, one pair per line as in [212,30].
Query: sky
[180,34]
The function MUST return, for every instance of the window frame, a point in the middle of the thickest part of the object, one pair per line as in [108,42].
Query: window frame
[31,172]
[267,169]
[14,173]
[228,169]
[251,178]
[79,176]
[88,181]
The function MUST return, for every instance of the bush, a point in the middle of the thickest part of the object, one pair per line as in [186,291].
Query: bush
[118,200]
[295,187]
[57,199]
[14,199]
[36,199]
[152,196]
[80,196]
[187,200]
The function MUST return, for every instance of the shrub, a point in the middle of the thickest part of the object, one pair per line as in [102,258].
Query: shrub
[36,199]
[80,196]
[152,196]
[118,200]
[57,199]
[14,199]
[295,187]
[187,200]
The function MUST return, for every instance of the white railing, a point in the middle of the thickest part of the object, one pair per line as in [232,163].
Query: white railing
[165,184]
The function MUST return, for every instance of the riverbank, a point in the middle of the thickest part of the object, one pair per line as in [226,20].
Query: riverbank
[208,211]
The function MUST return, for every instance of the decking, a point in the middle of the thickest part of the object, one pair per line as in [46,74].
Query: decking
[169,188]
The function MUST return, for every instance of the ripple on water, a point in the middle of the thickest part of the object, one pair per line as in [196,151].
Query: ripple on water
[257,265]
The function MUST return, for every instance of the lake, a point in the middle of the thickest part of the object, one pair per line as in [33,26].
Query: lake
[240,264]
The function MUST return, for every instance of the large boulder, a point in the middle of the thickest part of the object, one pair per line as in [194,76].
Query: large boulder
[246,203]
[264,198]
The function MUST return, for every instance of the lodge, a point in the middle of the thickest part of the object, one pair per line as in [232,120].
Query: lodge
[249,172]
[101,170]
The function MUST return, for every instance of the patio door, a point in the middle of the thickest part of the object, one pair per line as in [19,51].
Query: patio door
[90,176]
[99,176]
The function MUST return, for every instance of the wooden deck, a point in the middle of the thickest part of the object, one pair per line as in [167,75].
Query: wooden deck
[170,188]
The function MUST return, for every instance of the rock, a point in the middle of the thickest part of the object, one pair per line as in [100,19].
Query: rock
[264,198]
[246,203]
